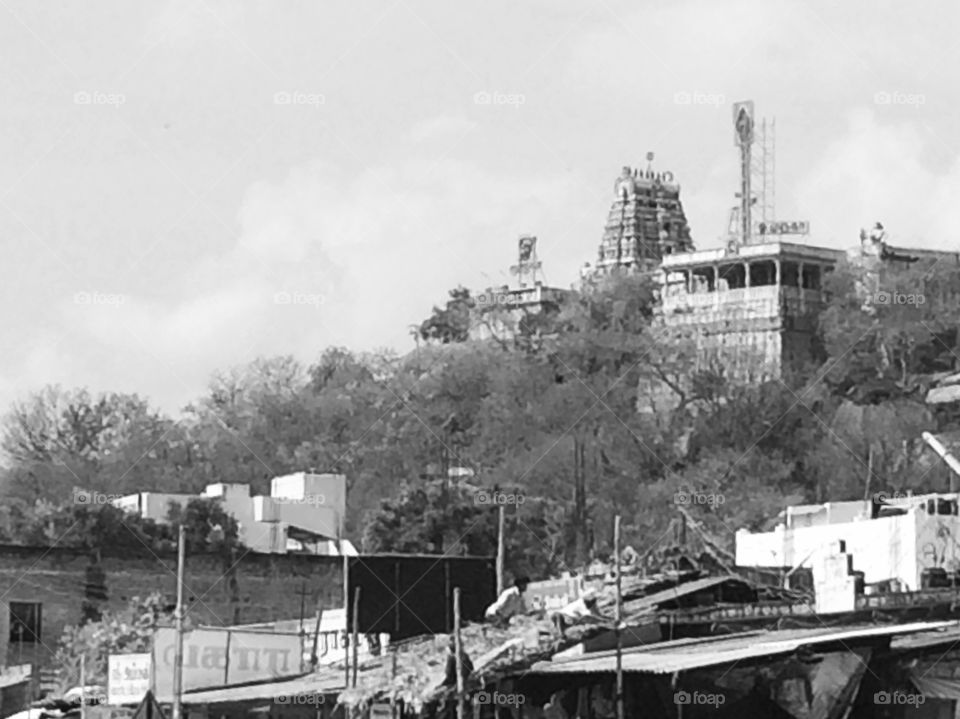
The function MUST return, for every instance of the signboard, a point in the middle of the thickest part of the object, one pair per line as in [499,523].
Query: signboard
[218,657]
[128,678]
[551,593]
[743,123]
[785,228]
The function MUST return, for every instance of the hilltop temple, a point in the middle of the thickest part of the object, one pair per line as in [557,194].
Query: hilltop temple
[646,222]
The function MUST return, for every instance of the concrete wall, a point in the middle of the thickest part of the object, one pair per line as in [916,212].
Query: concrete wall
[263,587]
[882,548]
[314,503]
[815,515]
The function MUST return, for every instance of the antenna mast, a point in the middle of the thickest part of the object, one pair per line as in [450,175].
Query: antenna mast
[764,177]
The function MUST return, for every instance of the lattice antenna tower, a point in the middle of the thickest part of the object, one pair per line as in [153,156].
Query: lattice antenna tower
[763,169]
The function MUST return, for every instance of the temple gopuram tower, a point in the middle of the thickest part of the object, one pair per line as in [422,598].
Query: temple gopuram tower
[645,223]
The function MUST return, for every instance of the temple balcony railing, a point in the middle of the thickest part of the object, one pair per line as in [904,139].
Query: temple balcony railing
[792,299]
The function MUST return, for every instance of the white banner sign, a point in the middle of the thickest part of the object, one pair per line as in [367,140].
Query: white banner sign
[214,658]
[128,678]
[551,593]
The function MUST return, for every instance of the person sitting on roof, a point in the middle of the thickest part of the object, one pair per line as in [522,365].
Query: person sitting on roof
[466,666]
[509,604]
[580,611]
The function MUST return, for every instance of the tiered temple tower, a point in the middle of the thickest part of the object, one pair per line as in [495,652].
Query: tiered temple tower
[646,222]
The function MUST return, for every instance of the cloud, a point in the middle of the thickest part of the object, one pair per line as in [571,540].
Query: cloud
[875,171]
[442,127]
[323,258]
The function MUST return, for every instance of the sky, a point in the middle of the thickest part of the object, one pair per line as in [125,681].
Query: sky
[188,185]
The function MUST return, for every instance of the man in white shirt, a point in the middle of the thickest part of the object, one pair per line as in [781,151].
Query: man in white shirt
[582,610]
[509,604]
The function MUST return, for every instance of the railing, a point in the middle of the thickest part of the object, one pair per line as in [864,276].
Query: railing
[679,299]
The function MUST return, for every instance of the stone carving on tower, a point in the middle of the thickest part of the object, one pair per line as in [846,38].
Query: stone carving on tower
[646,221]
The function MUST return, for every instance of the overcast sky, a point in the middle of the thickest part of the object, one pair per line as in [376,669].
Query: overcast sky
[168,168]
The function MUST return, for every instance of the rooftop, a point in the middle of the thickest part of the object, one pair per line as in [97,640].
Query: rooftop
[776,248]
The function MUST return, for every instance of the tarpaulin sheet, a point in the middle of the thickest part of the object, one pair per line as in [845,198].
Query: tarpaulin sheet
[935,687]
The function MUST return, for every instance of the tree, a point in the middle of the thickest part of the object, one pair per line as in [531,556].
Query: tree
[452,323]
[459,519]
[209,528]
[124,632]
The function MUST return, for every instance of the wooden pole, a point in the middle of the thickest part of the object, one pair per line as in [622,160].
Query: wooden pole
[346,607]
[393,683]
[355,639]
[501,520]
[83,686]
[459,650]
[316,640]
[619,635]
[866,488]
[177,712]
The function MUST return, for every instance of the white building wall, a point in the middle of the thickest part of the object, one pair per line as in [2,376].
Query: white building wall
[314,503]
[882,549]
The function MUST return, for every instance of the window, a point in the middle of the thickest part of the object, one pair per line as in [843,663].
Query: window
[24,622]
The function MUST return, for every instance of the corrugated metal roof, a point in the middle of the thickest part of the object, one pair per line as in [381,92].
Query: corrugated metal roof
[687,654]
[681,590]
[922,640]
[329,681]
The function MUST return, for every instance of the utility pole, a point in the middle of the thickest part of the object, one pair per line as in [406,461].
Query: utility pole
[458,647]
[616,554]
[177,712]
[303,633]
[501,520]
[346,606]
[355,639]
[83,687]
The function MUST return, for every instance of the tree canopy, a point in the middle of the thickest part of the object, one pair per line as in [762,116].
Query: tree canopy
[559,411]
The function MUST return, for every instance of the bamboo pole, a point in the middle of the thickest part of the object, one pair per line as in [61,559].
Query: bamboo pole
[355,640]
[501,520]
[619,634]
[459,650]
[177,712]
